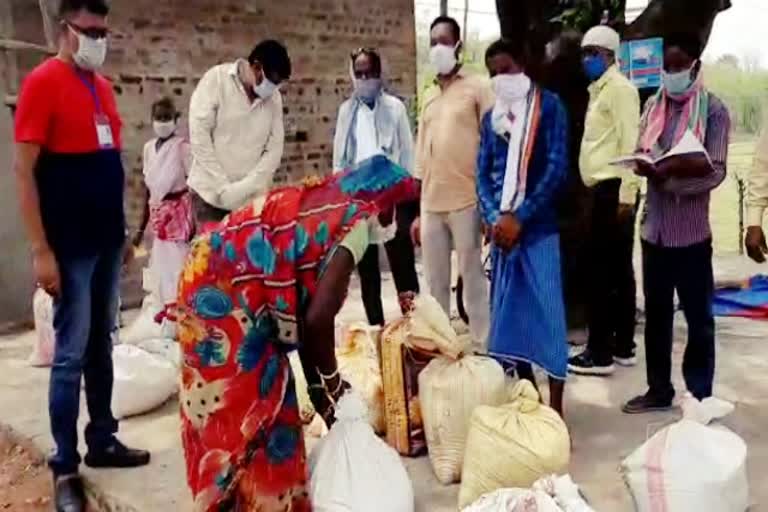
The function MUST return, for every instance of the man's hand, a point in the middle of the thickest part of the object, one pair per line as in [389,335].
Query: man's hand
[46,271]
[645,169]
[625,212]
[756,244]
[507,231]
[128,254]
[416,232]
[386,217]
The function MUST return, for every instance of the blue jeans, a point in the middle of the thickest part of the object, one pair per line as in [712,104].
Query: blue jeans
[83,318]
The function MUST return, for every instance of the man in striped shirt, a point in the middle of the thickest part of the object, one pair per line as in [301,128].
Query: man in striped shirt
[676,237]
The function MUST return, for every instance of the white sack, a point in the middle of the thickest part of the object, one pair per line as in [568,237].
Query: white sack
[352,470]
[45,338]
[690,466]
[143,381]
[144,327]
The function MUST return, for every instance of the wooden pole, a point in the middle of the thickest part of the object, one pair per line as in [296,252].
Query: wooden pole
[48,11]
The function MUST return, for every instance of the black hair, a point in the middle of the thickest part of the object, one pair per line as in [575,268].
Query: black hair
[514,47]
[689,43]
[273,57]
[372,54]
[164,102]
[455,27]
[98,7]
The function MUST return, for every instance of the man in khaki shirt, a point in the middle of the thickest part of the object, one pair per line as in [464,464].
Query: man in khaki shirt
[757,201]
[446,154]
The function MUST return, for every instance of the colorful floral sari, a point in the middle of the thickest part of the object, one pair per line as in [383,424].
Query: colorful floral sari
[241,296]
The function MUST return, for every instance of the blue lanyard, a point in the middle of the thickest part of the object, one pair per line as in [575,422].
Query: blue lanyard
[91,86]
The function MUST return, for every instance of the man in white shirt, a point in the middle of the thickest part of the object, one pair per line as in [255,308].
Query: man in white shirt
[236,131]
[374,122]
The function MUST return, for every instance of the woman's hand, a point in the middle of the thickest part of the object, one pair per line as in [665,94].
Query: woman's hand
[324,401]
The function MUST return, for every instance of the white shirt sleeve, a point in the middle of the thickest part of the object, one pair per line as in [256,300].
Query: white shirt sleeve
[203,109]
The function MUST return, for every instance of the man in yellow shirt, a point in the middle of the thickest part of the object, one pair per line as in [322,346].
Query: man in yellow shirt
[757,201]
[610,131]
[446,157]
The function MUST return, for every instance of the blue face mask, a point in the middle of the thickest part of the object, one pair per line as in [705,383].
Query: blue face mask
[677,83]
[594,67]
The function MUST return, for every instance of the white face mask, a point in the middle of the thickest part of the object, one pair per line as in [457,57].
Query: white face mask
[91,53]
[265,89]
[511,88]
[164,129]
[443,58]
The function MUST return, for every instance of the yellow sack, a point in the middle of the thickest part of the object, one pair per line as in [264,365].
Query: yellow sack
[513,445]
[358,364]
[430,329]
[450,391]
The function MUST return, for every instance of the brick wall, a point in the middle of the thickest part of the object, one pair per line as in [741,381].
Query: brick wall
[164,47]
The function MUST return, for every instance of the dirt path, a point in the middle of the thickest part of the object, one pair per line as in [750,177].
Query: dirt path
[25,482]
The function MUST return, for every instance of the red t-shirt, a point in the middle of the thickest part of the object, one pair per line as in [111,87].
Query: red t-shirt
[56,108]
[80,184]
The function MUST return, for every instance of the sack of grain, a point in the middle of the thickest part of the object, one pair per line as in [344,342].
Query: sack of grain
[352,470]
[513,445]
[450,391]
[358,364]
[430,328]
[401,366]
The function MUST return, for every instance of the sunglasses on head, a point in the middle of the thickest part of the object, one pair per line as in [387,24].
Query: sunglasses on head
[90,32]
[363,50]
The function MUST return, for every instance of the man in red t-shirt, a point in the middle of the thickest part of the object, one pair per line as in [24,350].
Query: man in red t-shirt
[70,184]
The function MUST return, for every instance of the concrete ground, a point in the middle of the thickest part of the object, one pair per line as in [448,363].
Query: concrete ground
[602,435]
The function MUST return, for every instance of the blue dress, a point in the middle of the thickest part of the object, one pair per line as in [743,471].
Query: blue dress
[527,311]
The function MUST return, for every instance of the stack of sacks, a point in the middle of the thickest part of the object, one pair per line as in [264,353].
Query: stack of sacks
[359,365]
[513,446]
[408,345]
[450,390]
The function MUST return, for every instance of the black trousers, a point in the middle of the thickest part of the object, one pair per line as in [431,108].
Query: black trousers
[689,271]
[402,263]
[611,299]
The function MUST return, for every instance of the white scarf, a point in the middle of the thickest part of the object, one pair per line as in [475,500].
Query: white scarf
[511,118]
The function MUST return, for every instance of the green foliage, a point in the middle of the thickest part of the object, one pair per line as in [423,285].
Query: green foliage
[743,91]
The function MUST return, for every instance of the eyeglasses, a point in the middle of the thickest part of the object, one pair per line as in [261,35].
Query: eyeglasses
[90,32]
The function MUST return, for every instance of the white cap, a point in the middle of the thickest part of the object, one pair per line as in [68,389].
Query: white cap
[602,36]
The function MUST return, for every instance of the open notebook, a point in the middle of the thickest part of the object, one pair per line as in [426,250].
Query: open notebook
[688,145]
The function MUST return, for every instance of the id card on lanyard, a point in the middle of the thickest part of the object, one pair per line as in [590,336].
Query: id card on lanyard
[100,119]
